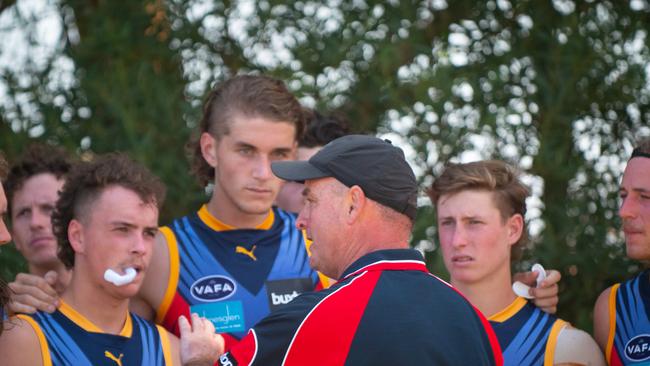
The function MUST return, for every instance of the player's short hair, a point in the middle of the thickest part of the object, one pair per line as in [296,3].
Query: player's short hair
[322,129]
[497,177]
[87,181]
[37,159]
[242,95]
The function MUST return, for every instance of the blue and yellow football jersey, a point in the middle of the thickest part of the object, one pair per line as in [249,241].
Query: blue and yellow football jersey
[234,277]
[527,335]
[629,331]
[68,338]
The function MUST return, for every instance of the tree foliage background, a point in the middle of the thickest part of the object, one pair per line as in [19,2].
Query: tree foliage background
[559,88]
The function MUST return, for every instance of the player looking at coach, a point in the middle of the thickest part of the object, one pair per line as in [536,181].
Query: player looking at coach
[480,210]
[105,222]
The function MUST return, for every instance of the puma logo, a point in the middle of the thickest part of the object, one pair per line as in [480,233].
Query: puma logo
[242,250]
[118,360]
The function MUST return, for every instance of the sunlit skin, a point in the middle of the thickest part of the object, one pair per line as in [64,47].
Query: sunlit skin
[319,218]
[31,210]
[290,195]
[475,242]
[245,188]
[5,237]
[116,231]
[635,208]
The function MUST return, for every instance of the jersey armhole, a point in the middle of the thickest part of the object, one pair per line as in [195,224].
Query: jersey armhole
[45,349]
[549,352]
[174,265]
[612,321]
[165,345]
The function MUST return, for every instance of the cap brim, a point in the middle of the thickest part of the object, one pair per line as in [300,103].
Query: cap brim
[297,171]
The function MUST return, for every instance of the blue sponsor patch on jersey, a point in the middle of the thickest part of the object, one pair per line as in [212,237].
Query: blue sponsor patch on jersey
[213,288]
[638,348]
[227,316]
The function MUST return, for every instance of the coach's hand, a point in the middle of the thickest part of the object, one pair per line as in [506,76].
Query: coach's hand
[31,293]
[546,295]
[200,345]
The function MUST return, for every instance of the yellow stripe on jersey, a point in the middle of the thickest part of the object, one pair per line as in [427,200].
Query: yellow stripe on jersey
[612,321]
[174,271]
[551,342]
[166,347]
[45,349]
[216,225]
[88,326]
[78,319]
[509,311]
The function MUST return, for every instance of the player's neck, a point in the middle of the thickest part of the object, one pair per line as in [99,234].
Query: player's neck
[491,294]
[63,274]
[95,304]
[229,214]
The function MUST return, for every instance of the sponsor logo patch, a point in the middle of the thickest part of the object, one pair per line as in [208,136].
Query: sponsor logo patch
[638,348]
[281,292]
[227,316]
[213,288]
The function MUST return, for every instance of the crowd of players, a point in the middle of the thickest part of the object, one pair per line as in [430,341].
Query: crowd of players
[244,280]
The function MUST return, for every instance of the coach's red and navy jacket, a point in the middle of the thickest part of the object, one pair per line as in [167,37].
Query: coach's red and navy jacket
[386,310]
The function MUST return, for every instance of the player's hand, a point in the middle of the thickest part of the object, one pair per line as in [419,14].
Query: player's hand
[546,295]
[31,293]
[200,344]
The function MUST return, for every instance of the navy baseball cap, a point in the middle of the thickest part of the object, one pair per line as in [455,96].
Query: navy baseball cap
[375,165]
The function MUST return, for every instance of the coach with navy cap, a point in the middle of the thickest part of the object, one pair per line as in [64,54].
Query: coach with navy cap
[386,309]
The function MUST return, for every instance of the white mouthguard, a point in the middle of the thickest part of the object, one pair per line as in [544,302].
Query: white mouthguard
[118,279]
[522,289]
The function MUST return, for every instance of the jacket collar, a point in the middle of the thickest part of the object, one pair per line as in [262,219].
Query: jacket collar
[387,260]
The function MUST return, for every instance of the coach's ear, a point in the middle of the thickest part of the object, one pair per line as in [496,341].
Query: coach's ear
[355,202]
[209,149]
[76,236]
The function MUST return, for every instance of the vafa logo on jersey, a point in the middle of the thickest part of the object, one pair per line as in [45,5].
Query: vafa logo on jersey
[638,348]
[213,288]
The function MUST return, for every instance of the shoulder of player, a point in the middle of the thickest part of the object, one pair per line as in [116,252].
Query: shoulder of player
[577,346]
[601,307]
[602,314]
[19,335]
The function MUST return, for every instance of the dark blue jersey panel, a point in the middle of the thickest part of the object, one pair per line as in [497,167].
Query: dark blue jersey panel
[426,321]
[69,344]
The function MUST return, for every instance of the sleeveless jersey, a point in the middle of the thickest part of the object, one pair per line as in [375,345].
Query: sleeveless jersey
[527,335]
[68,338]
[629,330]
[234,277]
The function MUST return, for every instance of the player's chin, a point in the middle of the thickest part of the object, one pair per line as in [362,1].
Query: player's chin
[638,252]
[259,207]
